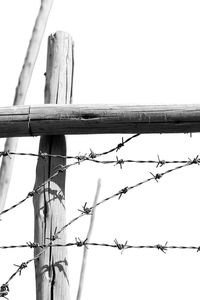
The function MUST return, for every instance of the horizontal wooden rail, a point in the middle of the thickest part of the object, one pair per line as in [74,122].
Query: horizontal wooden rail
[50,119]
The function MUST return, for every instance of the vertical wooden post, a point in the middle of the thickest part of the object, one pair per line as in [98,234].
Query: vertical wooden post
[51,268]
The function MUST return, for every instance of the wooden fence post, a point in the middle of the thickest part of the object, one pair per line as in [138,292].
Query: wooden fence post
[51,268]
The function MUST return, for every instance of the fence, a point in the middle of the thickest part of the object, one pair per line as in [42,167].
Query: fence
[91,157]
[50,242]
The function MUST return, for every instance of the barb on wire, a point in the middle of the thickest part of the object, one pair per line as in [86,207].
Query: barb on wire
[162,248]
[195,160]
[79,157]
[80,243]
[54,236]
[38,189]
[119,194]
[123,191]
[119,162]
[156,176]
[121,247]
[118,147]
[4,289]
[21,267]
[92,155]
[161,162]
[91,158]
[85,210]
[33,245]
[61,169]
[5,153]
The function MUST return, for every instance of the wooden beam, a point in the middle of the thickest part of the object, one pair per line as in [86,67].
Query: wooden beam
[51,267]
[95,119]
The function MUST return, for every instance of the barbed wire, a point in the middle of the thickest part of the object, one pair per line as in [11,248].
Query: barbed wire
[88,210]
[4,289]
[79,243]
[37,189]
[61,169]
[85,210]
[92,155]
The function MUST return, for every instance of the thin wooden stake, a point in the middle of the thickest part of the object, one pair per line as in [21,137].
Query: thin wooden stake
[85,251]
[51,268]
[21,90]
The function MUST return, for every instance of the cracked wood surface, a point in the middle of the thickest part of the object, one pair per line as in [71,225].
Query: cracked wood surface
[95,119]
[52,282]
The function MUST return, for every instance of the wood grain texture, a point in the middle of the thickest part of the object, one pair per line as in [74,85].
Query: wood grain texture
[51,268]
[32,52]
[21,91]
[96,119]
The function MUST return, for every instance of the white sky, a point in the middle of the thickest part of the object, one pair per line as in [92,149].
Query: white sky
[137,52]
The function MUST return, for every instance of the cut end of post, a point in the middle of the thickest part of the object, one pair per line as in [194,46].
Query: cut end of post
[60,53]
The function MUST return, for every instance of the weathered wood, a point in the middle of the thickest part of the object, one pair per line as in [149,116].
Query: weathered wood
[49,206]
[95,119]
[21,90]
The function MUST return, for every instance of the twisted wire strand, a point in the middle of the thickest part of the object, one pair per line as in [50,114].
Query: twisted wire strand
[61,169]
[92,154]
[87,211]
[91,158]
[37,189]
[80,243]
